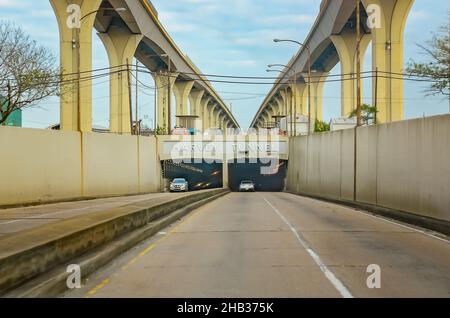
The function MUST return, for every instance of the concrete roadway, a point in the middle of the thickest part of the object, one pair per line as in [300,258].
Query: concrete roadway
[277,245]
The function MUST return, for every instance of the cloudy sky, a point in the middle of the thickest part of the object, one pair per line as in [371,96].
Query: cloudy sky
[232,37]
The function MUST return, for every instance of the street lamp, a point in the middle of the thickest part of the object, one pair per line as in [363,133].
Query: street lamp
[307,47]
[294,103]
[77,45]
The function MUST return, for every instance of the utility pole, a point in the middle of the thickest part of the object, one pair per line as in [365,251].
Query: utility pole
[129,95]
[78,53]
[155,119]
[358,63]
[375,116]
[358,97]
[169,98]
[137,124]
[295,104]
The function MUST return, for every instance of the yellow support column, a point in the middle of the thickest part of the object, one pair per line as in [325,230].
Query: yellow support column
[121,46]
[162,81]
[222,120]
[195,99]
[279,105]
[182,89]
[270,111]
[345,45]
[217,117]
[300,98]
[212,118]
[317,85]
[266,118]
[387,54]
[286,98]
[76,58]
[205,113]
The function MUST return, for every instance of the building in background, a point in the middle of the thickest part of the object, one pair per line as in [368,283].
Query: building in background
[15,119]
[342,123]
[300,121]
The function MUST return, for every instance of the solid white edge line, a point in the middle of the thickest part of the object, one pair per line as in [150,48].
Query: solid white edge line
[381,218]
[338,285]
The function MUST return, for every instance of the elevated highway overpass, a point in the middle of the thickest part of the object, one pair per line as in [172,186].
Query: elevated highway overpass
[332,40]
[128,29]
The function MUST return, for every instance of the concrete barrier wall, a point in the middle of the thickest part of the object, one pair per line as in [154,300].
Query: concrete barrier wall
[403,166]
[45,165]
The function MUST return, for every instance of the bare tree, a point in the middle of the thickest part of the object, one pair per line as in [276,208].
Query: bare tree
[437,68]
[27,71]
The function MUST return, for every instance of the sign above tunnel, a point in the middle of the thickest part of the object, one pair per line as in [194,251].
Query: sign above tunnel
[217,149]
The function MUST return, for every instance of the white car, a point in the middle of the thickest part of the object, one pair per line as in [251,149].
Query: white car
[179,185]
[247,186]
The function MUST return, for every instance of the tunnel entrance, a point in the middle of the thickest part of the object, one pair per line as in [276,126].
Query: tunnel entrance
[206,175]
[265,176]
[200,176]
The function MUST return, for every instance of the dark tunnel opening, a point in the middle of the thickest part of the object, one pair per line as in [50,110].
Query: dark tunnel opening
[267,177]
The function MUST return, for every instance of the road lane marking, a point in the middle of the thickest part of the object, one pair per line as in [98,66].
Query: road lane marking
[98,287]
[402,225]
[188,217]
[378,217]
[338,285]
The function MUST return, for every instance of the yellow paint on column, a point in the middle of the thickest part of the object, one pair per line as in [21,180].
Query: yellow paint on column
[195,98]
[205,113]
[212,117]
[182,89]
[69,51]
[279,105]
[387,56]
[162,80]
[300,98]
[217,118]
[317,86]
[345,45]
[121,46]
[285,95]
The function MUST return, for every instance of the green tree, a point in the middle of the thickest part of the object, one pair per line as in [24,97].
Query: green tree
[27,71]
[321,126]
[160,131]
[437,68]
[368,114]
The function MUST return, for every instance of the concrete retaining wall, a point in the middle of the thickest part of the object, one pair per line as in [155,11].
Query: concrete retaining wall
[45,165]
[403,166]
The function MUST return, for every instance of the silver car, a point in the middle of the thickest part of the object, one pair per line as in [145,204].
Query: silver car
[247,186]
[179,185]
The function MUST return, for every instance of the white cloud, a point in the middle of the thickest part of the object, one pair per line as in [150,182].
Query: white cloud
[171,21]
[10,4]
[288,19]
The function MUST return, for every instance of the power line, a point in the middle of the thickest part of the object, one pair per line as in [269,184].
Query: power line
[388,75]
